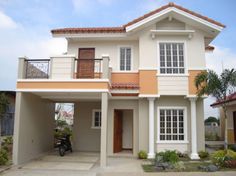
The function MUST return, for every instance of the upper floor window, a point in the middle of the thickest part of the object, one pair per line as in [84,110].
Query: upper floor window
[125,58]
[172,58]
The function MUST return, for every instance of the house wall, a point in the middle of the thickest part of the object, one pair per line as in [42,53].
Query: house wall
[231,109]
[107,47]
[127,124]
[170,101]
[85,138]
[32,114]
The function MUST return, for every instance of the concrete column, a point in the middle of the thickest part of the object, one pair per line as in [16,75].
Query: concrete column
[103,157]
[105,66]
[194,153]
[21,68]
[151,153]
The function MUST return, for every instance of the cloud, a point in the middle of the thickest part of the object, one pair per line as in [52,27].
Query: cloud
[7,22]
[221,58]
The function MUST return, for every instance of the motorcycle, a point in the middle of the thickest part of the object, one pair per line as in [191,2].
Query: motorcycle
[64,145]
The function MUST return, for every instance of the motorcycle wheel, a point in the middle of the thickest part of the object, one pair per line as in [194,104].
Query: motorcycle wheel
[62,151]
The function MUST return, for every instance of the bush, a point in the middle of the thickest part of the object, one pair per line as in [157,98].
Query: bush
[203,154]
[169,156]
[142,154]
[232,147]
[3,157]
[179,166]
[219,157]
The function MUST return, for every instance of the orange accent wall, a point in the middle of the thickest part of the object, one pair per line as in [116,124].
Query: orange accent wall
[191,85]
[125,78]
[62,85]
[148,82]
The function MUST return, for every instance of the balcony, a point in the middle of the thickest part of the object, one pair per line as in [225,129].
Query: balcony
[64,67]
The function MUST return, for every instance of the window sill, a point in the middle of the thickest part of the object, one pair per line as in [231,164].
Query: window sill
[172,75]
[95,128]
[172,142]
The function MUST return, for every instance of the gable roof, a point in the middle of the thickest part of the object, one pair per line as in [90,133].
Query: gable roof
[230,98]
[122,29]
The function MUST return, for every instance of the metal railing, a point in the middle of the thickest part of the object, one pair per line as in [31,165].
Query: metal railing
[37,68]
[89,68]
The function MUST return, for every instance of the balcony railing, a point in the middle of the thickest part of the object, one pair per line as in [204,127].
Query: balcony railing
[64,67]
[89,68]
[37,68]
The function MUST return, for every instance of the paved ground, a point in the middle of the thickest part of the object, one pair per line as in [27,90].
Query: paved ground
[87,164]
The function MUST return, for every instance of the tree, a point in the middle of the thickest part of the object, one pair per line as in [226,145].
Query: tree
[3,108]
[212,119]
[218,86]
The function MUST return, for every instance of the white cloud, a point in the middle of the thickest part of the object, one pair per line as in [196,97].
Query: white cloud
[6,22]
[221,58]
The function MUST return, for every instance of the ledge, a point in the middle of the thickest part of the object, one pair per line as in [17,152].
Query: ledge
[188,33]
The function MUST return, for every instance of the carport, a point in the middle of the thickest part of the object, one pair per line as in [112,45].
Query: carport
[34,125]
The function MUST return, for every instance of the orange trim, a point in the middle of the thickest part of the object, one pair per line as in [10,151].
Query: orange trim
[123,94]
[192,90]
[125,78]
[148,82]
[62,85]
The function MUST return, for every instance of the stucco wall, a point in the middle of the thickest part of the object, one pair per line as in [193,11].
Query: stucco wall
[34,125]
[127,125]
[107,47]
[85,138]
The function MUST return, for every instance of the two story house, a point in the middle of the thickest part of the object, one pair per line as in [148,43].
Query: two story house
[132,86]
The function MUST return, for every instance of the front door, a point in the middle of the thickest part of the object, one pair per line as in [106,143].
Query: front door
[234,118]
[85,66]
[117,145]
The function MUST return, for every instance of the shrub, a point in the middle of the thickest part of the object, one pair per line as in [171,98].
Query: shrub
[170,156]
[203,154]
[179,166]
[219,157]
[3,157]
[142,154]
[232,147]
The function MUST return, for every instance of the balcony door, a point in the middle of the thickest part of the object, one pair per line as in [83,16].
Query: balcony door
[85,65]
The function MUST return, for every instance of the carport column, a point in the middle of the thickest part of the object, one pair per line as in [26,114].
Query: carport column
[151,153]
[103,157]
[194,154]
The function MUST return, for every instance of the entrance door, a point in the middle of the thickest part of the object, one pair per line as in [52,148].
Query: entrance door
[117,145]
[85,66]
[234,118]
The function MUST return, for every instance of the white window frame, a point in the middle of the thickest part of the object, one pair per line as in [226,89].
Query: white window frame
[93,118]
[184,108]
[131,58]
[185,57]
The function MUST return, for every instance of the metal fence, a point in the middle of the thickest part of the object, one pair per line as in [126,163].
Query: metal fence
[37,68]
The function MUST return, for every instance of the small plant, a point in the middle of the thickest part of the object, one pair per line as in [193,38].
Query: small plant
[142,154]
[179,166]
[221,156]
[169,156]
[3,157]
[203,154]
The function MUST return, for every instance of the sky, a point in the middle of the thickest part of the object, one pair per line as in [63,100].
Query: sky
[25,28]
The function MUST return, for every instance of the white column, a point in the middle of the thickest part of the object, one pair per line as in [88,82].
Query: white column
[103,152]
[194,153]
[151,153]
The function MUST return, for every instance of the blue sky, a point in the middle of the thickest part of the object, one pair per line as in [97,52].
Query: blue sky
[25,27]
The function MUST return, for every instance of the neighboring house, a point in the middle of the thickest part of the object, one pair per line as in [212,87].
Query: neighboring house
[231,118]
[133,87]
[7,121]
